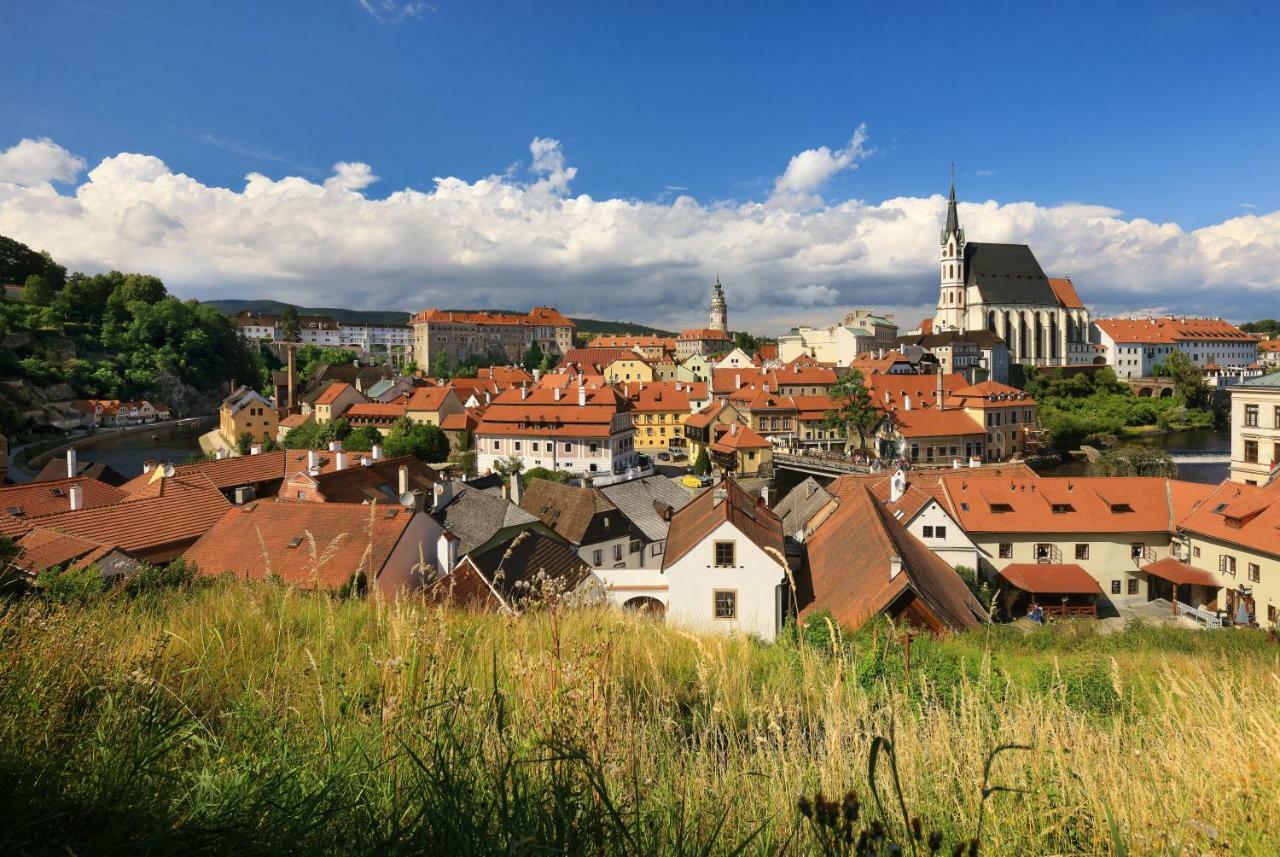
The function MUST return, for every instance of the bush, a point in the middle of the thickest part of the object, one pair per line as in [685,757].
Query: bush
[152,578]
[76,586]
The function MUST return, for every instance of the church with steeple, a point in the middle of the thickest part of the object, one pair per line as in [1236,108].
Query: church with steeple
[1001,288]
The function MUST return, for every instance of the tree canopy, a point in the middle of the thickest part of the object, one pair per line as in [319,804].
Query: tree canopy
[426,442]
[852,409]
[1134,460]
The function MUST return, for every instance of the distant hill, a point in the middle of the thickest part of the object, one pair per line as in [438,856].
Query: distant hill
[231,306]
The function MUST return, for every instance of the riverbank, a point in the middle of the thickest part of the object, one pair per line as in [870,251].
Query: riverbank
[125,447]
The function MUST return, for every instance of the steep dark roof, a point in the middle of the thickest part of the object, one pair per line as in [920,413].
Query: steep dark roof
[476,516]
[56,468]
[642,501]
[581,515]
[1007,274]
[979,338]
[800,505]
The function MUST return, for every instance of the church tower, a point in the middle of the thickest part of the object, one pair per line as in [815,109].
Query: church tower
[951,299]
[719,311]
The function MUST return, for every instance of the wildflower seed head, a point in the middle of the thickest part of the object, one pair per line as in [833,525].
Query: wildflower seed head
[973,848]
[915,829]
[805,807]
[935,841]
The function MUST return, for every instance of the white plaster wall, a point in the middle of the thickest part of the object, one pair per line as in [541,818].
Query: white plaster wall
[693,579]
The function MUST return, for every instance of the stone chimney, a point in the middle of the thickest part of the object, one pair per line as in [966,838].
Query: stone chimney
[339,461]
[313,460]
[906,402]
[442,493]
[524,392]
[255,449]
[72,464]
[737,381]
[582,395]
[75,496]
[446,552]
[403,483]
[764,494]
[515,488]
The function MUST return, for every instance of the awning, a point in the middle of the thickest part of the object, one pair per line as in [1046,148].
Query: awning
[1180,573]
[1050,578]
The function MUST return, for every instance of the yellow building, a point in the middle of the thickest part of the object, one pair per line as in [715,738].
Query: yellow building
[700,429]
[741,451]
[625,370]
[659,410]
[246,412]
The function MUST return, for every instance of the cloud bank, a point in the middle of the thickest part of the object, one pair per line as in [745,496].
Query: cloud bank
[519,238]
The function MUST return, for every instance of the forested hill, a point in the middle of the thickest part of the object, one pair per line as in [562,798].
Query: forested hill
[231,306]
[114,335]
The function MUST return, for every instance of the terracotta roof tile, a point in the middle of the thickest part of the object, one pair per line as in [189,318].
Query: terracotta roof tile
[690,525]
[1050,578]
[22,505]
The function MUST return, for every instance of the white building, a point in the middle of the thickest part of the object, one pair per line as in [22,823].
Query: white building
[579,429]
[1255,429]
[1134,347]
[320,330]
[862,331]
[725,564]
[393,340]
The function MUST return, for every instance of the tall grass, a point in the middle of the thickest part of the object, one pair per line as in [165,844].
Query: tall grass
[253,719]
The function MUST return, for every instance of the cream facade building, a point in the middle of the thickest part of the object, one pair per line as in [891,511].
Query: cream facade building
[860,332]
[1255,429]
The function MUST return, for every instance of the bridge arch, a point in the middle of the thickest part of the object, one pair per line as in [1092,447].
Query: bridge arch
[646,605]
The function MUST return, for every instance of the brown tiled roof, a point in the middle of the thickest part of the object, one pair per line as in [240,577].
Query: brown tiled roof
[989,394]
[42,549]
[567,509]
[696,521]
[428,398]
[663,396]
[704,333]
[738,437]
[377,481]
[1041,578]
[599,357]
[930,422]
[1244,515]
[1079,504]
[921,388]
[332,392]
[526,557]
[223,473]
[170,512]
[21,505]
[850,563]
[320,545]
[1169,330]
[56,468]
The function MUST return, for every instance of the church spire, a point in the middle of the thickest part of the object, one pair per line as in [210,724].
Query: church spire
[953,219]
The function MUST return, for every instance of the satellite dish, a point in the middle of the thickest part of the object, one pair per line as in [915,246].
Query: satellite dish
[168,471]
[408,499]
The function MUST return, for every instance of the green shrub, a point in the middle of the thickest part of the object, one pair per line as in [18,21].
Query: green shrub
[78,586]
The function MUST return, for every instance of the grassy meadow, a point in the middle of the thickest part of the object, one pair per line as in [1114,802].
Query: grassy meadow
[255,719]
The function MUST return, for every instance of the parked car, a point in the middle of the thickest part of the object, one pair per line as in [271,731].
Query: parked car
[691,481]
[664,456]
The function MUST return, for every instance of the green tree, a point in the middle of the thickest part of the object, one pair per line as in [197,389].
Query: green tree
[1134,460]
[508,467]
[702,464]
[1188,380]
[426,442]
[37,291]
[440,366]
[561,476]
[362,439]
[244,442]
[290,327]
[852,409]
[533,357]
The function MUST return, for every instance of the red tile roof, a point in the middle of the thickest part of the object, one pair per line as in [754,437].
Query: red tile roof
[223,473]
[1050,578]
[664,342]
[1175,571]
[1169,330]
[736,437]
[21,505]
[320,545]
[539,315]
[541,413]
[690,525]
[931,422]
[1065,291]
[1087,504]
[1243,515]
[42,549]
[664,396]
[704,334]
[889,392]
[332,392]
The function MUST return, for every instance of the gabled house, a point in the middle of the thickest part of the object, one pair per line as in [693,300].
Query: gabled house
[245,411]
[725,564]
[587,520]
[334,400]
[861,562]
[529,567]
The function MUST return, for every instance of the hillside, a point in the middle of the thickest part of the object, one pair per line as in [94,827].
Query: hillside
[231,306]
[253,719]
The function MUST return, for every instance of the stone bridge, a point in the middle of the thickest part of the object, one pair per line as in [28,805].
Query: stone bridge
[1151,388]
[818,465]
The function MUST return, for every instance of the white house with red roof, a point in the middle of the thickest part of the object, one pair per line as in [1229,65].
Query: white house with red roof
[1134,347]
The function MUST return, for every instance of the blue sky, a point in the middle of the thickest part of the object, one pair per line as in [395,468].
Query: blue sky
[1163,112]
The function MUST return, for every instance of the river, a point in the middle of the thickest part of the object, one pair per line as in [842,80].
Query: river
[125,451]
[1203,455]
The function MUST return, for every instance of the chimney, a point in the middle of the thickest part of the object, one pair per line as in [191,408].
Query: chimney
[897,486]
[335,446]
[733,429]
[72,464]
[895,566]
[150,464]
[906,402]
[446,552]
[292,378]
[764,494]
[403,483]
[537,375]
[582,395]
[486,398]
[524,392]
[313,460]
[940,395]
[340,461]
[376,452]
[720,493]
[74,495]
[365,461]
[737,381]
[515,488]
[255,449]
[555,394]
[442,493]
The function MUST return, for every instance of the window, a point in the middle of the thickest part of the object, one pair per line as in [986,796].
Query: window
[617,553]
[1061,508]
[724,555]
[939,532]
[726,604]
[1006,550]
[1195,551]
[1255,572]
[1251,415]
[1115,587]
[495,444]
[1135,550]
[928,532]
[1082,551]
[1226,564]
[568,447]
[597,558]
[1251,451]
[1271,614]
[1133,586]
[1044,552]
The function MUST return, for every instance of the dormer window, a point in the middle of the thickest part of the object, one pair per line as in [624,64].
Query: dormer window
[1001,508]
[1119,508]
[1061,508]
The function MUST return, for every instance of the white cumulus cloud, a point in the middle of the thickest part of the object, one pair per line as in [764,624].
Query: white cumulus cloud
[808,171]
[502,241]
[32,162]
[395,11]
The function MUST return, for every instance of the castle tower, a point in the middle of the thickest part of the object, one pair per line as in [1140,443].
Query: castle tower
[951,297]
[719,311]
